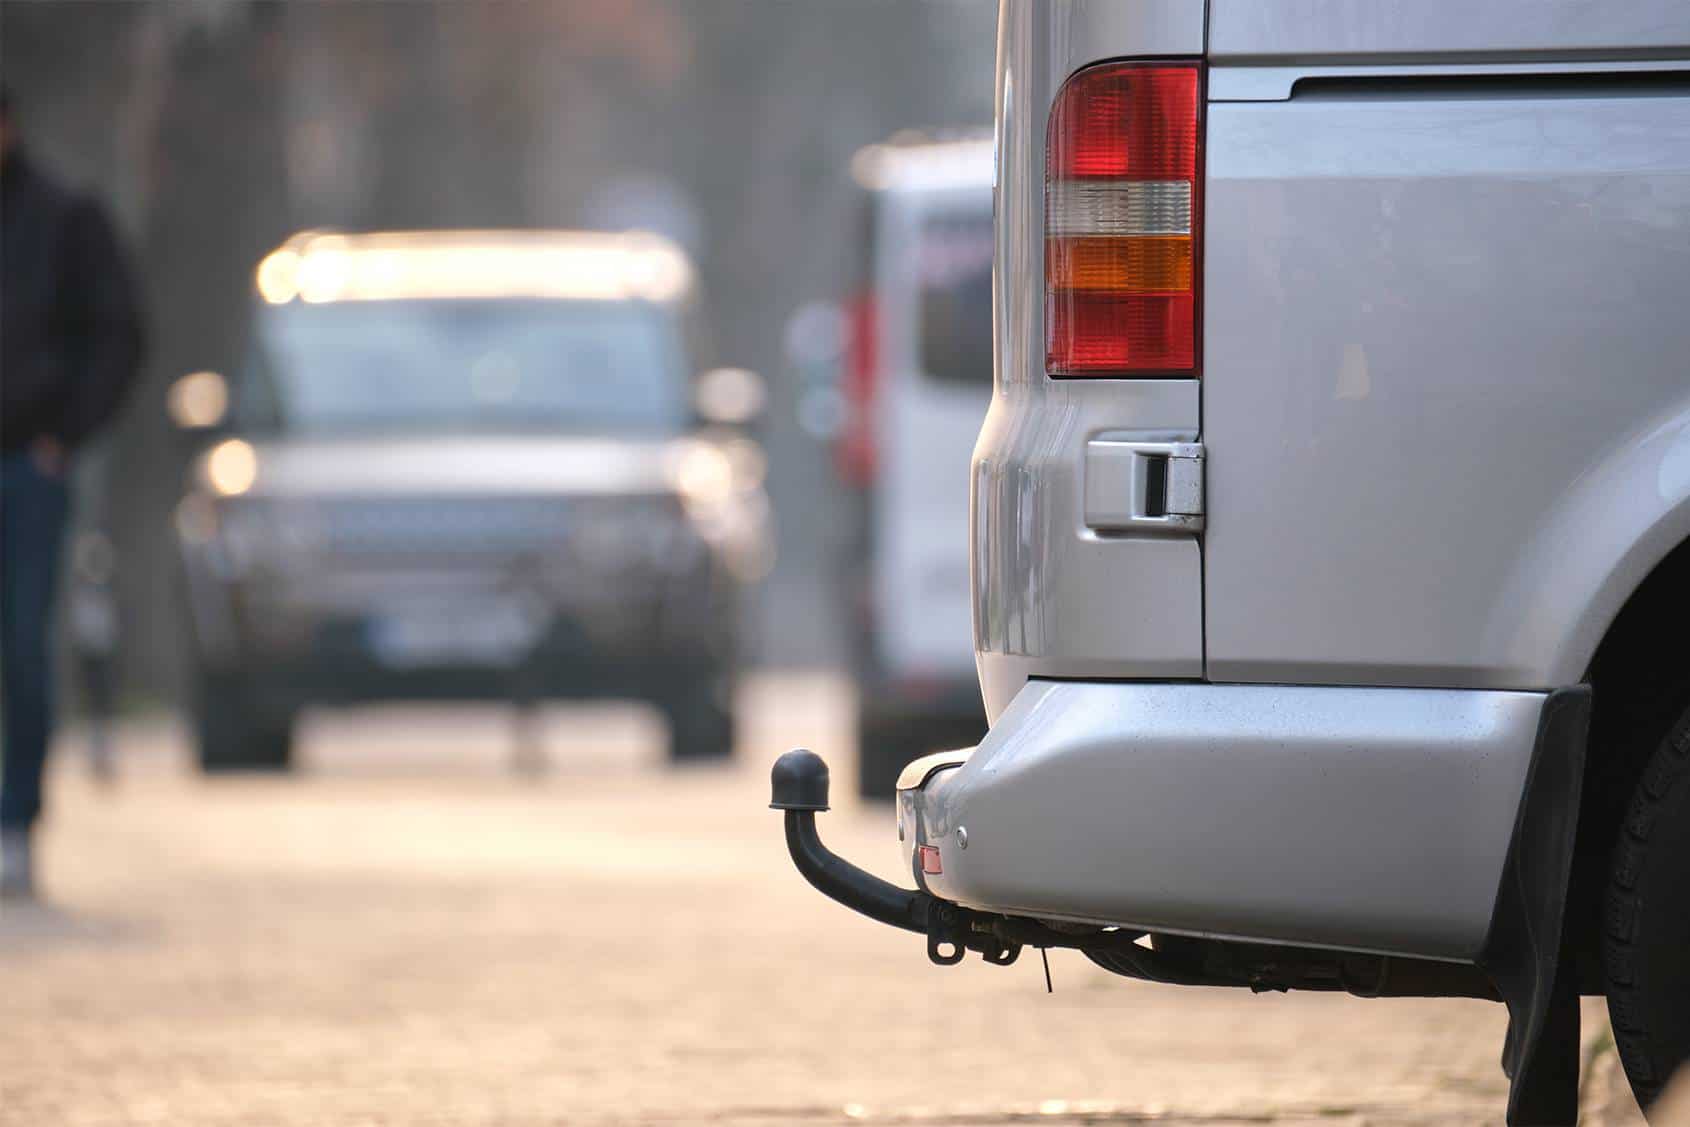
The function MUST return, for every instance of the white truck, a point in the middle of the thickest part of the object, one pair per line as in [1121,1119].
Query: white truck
[917,385]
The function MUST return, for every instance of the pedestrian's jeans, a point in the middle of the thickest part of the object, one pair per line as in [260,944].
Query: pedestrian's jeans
[33,508]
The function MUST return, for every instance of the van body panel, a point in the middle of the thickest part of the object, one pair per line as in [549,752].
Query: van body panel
[1445,30]
[1053,597]
[1438,324]
[1597,545]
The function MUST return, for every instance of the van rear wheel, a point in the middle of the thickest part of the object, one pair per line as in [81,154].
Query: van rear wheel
[1646,925]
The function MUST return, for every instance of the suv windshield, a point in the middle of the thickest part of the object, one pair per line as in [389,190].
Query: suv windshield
[449,364]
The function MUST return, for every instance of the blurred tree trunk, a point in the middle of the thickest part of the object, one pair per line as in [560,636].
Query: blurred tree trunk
[216,200]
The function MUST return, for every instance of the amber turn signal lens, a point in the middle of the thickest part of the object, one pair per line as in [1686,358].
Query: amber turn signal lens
[1130,264]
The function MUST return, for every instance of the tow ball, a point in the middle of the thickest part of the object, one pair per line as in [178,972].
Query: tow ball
[799,786]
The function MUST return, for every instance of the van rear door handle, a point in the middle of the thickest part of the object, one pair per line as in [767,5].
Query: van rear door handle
[1144,486]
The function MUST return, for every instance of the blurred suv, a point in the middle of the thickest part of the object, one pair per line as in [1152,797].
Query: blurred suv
[468,465]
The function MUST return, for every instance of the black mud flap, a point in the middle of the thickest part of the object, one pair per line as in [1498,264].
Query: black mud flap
[1526,954]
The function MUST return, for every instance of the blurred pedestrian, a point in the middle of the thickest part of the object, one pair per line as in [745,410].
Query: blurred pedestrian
[70,342]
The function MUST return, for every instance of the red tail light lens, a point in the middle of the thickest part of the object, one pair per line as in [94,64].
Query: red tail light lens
[854,451]
[1123,202]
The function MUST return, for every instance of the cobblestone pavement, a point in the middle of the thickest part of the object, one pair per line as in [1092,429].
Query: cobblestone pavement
[408,933]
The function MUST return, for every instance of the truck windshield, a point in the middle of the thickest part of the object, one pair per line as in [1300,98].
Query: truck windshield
[458,364]
[955,278]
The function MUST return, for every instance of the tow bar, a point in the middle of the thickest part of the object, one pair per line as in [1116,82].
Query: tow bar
[799,786]
[1526,962]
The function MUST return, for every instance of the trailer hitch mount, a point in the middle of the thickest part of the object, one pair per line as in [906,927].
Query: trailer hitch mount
[799,787]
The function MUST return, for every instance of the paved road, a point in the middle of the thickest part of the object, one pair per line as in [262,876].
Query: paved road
[405,933]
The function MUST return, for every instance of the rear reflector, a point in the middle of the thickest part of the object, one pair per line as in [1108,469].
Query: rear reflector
[930,862]
[1122,222]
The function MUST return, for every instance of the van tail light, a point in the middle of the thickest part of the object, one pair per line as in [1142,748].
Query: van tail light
[855,453]
[1123,218]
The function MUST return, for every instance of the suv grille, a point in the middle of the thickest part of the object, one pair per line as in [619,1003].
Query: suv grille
[442,528]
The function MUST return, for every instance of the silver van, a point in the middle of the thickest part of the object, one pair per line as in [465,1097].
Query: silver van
[1331,521]
[917,385]
[468,465]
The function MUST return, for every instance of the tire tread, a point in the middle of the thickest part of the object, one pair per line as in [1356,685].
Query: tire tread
[1628,999]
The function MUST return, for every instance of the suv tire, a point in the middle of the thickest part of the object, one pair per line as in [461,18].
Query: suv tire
[1646,921]
[233,733]
[701,720]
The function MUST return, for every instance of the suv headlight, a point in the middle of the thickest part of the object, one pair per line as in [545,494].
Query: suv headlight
[702,474]
[230,468]
[708,474]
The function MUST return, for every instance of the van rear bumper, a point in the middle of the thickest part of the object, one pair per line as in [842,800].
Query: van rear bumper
[1365,819]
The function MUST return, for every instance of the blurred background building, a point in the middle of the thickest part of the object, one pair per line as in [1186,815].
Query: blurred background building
[216,128]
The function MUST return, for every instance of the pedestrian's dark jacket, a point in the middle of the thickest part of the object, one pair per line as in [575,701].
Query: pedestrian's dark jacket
[70,325]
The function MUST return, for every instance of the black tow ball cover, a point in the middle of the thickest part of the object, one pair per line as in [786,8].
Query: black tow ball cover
[799,782]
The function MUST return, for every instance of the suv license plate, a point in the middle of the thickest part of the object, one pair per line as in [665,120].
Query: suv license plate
[497,634]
